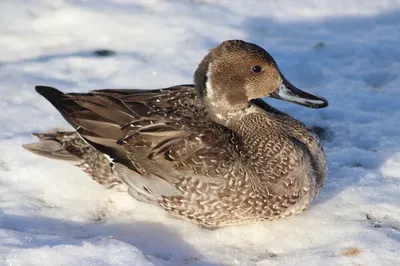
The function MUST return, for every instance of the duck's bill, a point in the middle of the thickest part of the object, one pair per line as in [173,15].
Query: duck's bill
[290,93]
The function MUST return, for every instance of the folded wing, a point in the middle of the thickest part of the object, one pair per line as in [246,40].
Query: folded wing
[156,139]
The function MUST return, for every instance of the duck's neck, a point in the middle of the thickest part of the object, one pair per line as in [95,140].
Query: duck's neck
[224,114]
[251,124]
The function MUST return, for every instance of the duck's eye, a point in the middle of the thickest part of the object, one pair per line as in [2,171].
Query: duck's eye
[256,69]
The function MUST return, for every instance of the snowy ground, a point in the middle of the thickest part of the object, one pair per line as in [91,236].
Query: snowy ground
[347,51]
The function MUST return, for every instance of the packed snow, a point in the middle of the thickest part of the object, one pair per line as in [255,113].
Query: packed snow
[347,51]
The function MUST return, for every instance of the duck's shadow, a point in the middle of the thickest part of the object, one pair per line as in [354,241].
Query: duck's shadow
[159,244]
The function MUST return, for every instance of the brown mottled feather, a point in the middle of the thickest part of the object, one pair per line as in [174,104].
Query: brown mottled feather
[69,146]
[213,153]
[162,136]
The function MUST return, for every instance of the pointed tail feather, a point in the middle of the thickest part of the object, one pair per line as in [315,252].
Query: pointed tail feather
[50,147]
[68,146]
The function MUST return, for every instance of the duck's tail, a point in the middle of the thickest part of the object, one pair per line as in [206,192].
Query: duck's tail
[53,145]
[69,146]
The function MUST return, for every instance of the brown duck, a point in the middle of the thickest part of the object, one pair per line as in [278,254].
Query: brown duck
[213,153]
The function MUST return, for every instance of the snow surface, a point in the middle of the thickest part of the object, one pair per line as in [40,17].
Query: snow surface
[347,51]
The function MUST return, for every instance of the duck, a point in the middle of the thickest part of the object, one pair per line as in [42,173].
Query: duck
[213,152]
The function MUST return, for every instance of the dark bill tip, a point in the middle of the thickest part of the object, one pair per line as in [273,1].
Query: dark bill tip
[290,93]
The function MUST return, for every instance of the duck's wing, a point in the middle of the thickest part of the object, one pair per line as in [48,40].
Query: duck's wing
[157,139]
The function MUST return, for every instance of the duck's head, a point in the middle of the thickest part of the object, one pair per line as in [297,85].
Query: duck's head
[236,72]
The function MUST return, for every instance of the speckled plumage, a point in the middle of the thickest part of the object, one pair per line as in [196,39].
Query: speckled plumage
[69,146]
[213,153]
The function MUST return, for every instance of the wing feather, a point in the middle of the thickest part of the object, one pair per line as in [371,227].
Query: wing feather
[156,138]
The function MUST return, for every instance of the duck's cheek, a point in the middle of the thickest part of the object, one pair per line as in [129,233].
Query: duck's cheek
[255,90]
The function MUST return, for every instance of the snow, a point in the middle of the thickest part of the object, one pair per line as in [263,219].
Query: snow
[346,51]
[391,167]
